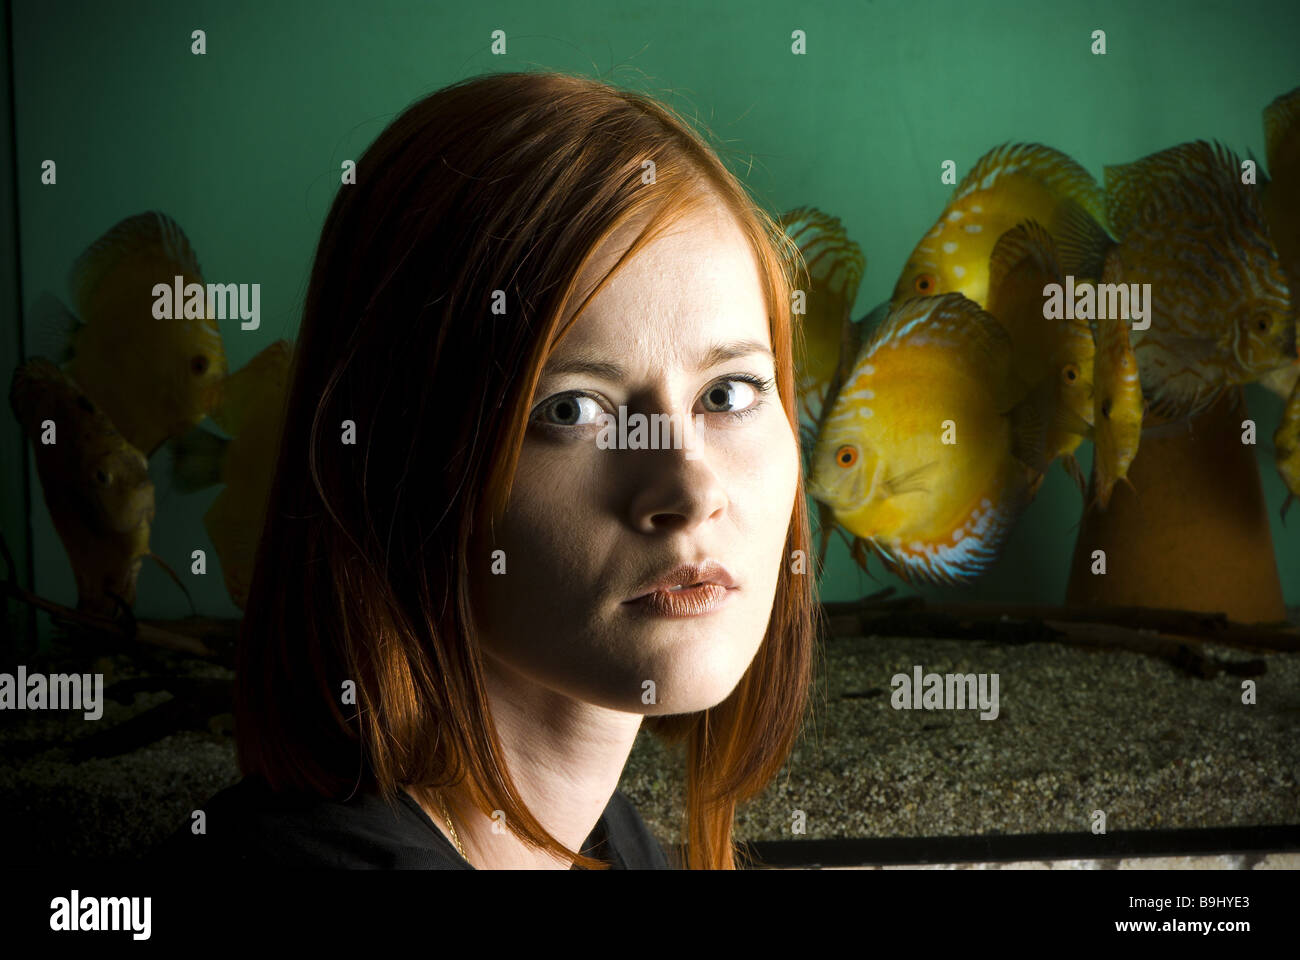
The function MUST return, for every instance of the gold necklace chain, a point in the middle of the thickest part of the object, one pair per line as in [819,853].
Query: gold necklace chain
[442,802]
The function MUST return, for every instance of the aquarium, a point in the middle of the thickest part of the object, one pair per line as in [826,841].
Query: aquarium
[1036,268]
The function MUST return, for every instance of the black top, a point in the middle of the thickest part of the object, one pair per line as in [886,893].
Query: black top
[249,825]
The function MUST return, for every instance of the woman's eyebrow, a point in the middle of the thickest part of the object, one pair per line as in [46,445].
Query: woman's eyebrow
[590,364]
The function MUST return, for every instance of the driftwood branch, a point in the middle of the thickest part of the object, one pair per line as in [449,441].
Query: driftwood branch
[1178,636]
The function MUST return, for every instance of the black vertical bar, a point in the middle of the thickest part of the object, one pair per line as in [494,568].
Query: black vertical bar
[15,520]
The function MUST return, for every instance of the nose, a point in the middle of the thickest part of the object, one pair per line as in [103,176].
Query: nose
[674,492]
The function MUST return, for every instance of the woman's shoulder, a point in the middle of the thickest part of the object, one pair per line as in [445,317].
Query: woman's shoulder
[249,824]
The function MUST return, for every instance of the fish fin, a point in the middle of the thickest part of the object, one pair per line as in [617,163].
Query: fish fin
[198,459]
[909,481]
[1200,178]
[834,267]
[172,573]
[1071,464]
[56,328]
[1027,241]
[1066,420]
[1280,120]
[254,389]
[1082,242]
[1029,423]
[1052,168]
[152,235]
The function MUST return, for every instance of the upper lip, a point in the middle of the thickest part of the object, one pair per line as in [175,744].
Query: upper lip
[687,575]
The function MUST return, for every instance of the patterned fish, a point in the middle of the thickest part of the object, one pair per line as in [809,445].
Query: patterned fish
[937,368]
[835,266]
[1118,402]
[1220,304]
[1054,356]
[1286,443]
[96,484]
[154,378]
[250,408]
[1009,184]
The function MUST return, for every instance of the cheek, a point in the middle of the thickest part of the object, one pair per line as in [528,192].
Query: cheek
[769,475]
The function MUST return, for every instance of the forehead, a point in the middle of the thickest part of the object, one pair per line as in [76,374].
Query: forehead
[696,283]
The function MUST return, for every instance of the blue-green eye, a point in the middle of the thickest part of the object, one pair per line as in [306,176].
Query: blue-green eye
[740,395]
[569,410]
[730,396]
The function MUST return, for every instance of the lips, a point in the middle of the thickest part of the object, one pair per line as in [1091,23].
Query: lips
[685,576]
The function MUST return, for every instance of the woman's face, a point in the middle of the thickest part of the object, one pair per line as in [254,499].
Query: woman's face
[592,522]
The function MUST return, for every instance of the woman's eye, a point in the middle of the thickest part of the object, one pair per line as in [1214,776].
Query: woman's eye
[730,396]
[570,410]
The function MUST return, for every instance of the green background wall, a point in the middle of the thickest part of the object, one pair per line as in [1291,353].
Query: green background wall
[242,147]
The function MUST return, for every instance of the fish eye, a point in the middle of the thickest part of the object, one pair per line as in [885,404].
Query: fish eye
[925,283]
[1105,408]
[199,364]
[1071,372]
[846,456]
[101,477]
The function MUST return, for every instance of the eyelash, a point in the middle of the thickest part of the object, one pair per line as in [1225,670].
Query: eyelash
[763,387]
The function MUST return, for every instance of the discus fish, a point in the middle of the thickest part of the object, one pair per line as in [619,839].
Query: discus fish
[1286,444]
[1054,355]
[1009,184]
[1220,305]
[1118,403]
[250,407]
[937,369]
[154,378]
[96,484]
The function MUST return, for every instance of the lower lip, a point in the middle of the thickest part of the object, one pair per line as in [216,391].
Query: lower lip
[690,602]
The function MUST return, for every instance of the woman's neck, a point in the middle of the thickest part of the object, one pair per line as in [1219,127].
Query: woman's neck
[565,756]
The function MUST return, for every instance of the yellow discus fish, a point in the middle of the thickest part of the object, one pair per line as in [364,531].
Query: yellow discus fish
[154,378]
[922,455]
[251,408]
[1220,303]
[1118,403]
[1055,356]
[1286,444]
[835,266]
[96,485]
[1009,184]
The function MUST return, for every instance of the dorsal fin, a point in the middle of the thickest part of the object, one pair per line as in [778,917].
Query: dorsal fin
[1052,168]
[152,235]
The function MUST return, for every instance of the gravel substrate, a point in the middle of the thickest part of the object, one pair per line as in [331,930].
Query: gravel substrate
[1077,732]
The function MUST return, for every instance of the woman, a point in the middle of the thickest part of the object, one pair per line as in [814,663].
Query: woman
[460,620]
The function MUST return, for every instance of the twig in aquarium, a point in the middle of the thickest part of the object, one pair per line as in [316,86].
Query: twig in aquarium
[103,626]
[907,615]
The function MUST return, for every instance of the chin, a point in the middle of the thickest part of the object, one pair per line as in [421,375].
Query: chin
[691,680]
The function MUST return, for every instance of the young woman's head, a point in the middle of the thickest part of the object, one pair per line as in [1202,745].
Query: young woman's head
[561,331]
